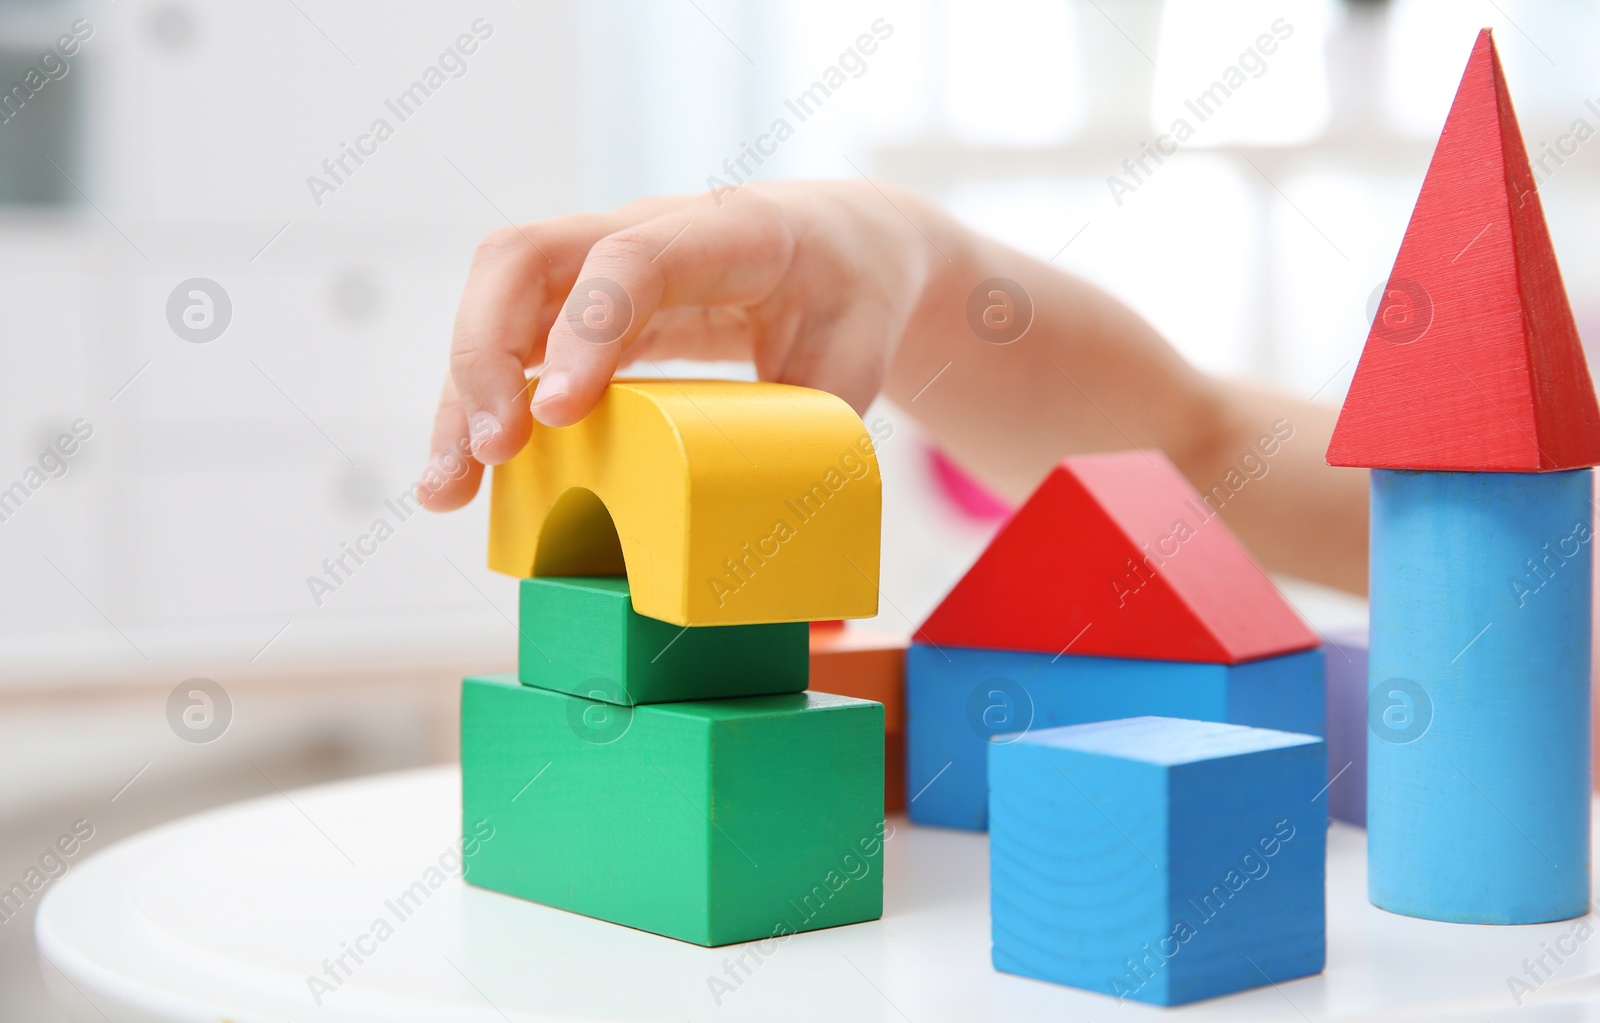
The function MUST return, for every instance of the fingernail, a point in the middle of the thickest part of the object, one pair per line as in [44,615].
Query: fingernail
[482,427]
[550,389]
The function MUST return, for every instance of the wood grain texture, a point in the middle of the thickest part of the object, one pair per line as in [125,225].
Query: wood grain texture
[868,665]
[1478,759]
[581,635]
[1156,859]
[724,502]
[713,821]
[1117,556]
[959,699]
[1473,361]
[1346,653]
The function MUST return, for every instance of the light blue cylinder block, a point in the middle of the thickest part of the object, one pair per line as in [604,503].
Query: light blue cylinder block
[1478,746]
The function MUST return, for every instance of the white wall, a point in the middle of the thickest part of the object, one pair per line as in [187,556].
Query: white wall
[181,538]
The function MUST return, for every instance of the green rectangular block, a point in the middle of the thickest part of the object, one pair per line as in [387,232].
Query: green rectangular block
[712,822]
[581,635]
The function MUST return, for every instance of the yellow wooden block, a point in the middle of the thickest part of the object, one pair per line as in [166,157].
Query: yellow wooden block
[726,503]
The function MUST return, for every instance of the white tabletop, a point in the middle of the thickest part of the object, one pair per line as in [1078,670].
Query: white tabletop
[225,915]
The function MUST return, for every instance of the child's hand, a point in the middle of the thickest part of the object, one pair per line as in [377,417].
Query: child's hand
[814,282]
[854,289]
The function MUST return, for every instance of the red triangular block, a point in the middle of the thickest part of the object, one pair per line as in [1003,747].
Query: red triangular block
[1117,556]
[1473,362]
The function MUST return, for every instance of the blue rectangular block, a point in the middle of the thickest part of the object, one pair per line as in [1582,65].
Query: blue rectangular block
[1347,725]
[958,698]
[1157,859]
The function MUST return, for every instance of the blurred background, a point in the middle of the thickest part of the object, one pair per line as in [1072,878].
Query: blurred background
[170,140]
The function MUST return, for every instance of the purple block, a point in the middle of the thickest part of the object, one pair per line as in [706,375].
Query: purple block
[1347,725]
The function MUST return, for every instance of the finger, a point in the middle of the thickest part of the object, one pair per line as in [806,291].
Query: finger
[452,475]
[519,277]
[697,255]
[702,333]
[847,354]
[493,338]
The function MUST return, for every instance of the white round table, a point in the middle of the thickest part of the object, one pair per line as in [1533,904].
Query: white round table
[227,915]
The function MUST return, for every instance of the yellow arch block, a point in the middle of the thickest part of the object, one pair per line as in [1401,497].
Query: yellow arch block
[732,503]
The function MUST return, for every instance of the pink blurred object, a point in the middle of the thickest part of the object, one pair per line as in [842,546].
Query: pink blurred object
[968,496]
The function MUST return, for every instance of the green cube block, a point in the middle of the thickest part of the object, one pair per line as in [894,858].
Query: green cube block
[713,821]
[581,635]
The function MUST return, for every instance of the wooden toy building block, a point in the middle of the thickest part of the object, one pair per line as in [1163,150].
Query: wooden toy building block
[1118,556]
[712,821]
[1464,401]
[958,700]
[581,635]
[1114,591]
[725,503]
[1479,775]
[1156,859]
[1473,362]
[1346,654]
[869,666]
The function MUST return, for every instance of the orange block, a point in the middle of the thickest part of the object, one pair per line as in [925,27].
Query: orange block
[869,666]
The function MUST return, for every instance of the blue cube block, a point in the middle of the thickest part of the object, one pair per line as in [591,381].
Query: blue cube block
[958,698]
[1158,859]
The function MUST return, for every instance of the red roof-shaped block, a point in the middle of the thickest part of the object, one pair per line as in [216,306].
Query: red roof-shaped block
[1117,556]
[1473,362]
